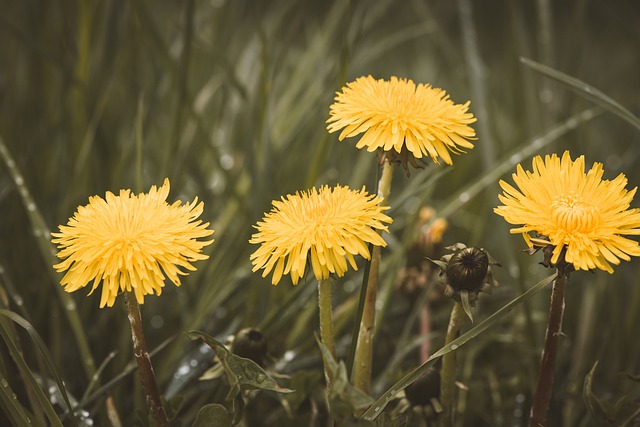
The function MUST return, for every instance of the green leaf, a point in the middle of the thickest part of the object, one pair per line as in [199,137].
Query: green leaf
[600,409]
[173,406]
[243,374]
[376,409]
[344,398]
[304,382]
[213,415]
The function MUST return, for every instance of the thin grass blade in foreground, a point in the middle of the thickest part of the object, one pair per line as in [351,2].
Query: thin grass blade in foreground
[376,409]
[24,368]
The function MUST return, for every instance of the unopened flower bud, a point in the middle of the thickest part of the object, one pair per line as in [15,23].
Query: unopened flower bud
[467,269]
[250,344]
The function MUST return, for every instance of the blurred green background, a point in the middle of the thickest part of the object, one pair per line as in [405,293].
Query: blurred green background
[229,100]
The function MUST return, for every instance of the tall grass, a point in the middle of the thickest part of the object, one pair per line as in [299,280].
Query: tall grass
[229,100]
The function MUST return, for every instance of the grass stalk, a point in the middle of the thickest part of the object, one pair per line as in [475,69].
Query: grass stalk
[448,371]
[361,376]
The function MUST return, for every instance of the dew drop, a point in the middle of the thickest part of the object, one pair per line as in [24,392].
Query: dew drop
[454,346]
[226,161]
[19,180]
[289,355]
[193,363]
[11,164]
[464,197]
[376,409]
[4,382]
[18,300]
[31,206]
[13,396]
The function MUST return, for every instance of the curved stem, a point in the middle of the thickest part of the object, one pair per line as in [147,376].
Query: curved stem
[141,354]
[540,406]
[448,372]
[361,376]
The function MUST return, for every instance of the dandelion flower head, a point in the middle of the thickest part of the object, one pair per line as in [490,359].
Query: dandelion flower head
[404,120]
[579,212]
[130,242]
[328,226]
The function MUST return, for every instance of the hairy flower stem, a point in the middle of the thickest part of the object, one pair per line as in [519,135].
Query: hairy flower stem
[141,354]
[361,377]
[540,406]
[326,316]
[448,373]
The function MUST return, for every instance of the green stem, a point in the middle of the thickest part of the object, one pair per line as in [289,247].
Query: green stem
[326,316]
[540,406]
[361,376]
[448,373]
[141,354]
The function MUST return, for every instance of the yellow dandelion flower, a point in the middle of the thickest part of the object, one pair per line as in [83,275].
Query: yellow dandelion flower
[328,226]
[579,212]
[130,243]
[402,119]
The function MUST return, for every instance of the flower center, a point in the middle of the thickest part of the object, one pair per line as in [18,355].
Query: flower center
[573,214]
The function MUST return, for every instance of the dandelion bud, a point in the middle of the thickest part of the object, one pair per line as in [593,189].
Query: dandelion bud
[250,344]
[467,269]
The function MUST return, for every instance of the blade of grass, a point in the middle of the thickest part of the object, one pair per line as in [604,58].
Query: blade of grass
[351,355]
[13,409]
[48,359]
[511,160]
[49,411]
[128,370]
[379,405]
[582,88]
[42,233]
